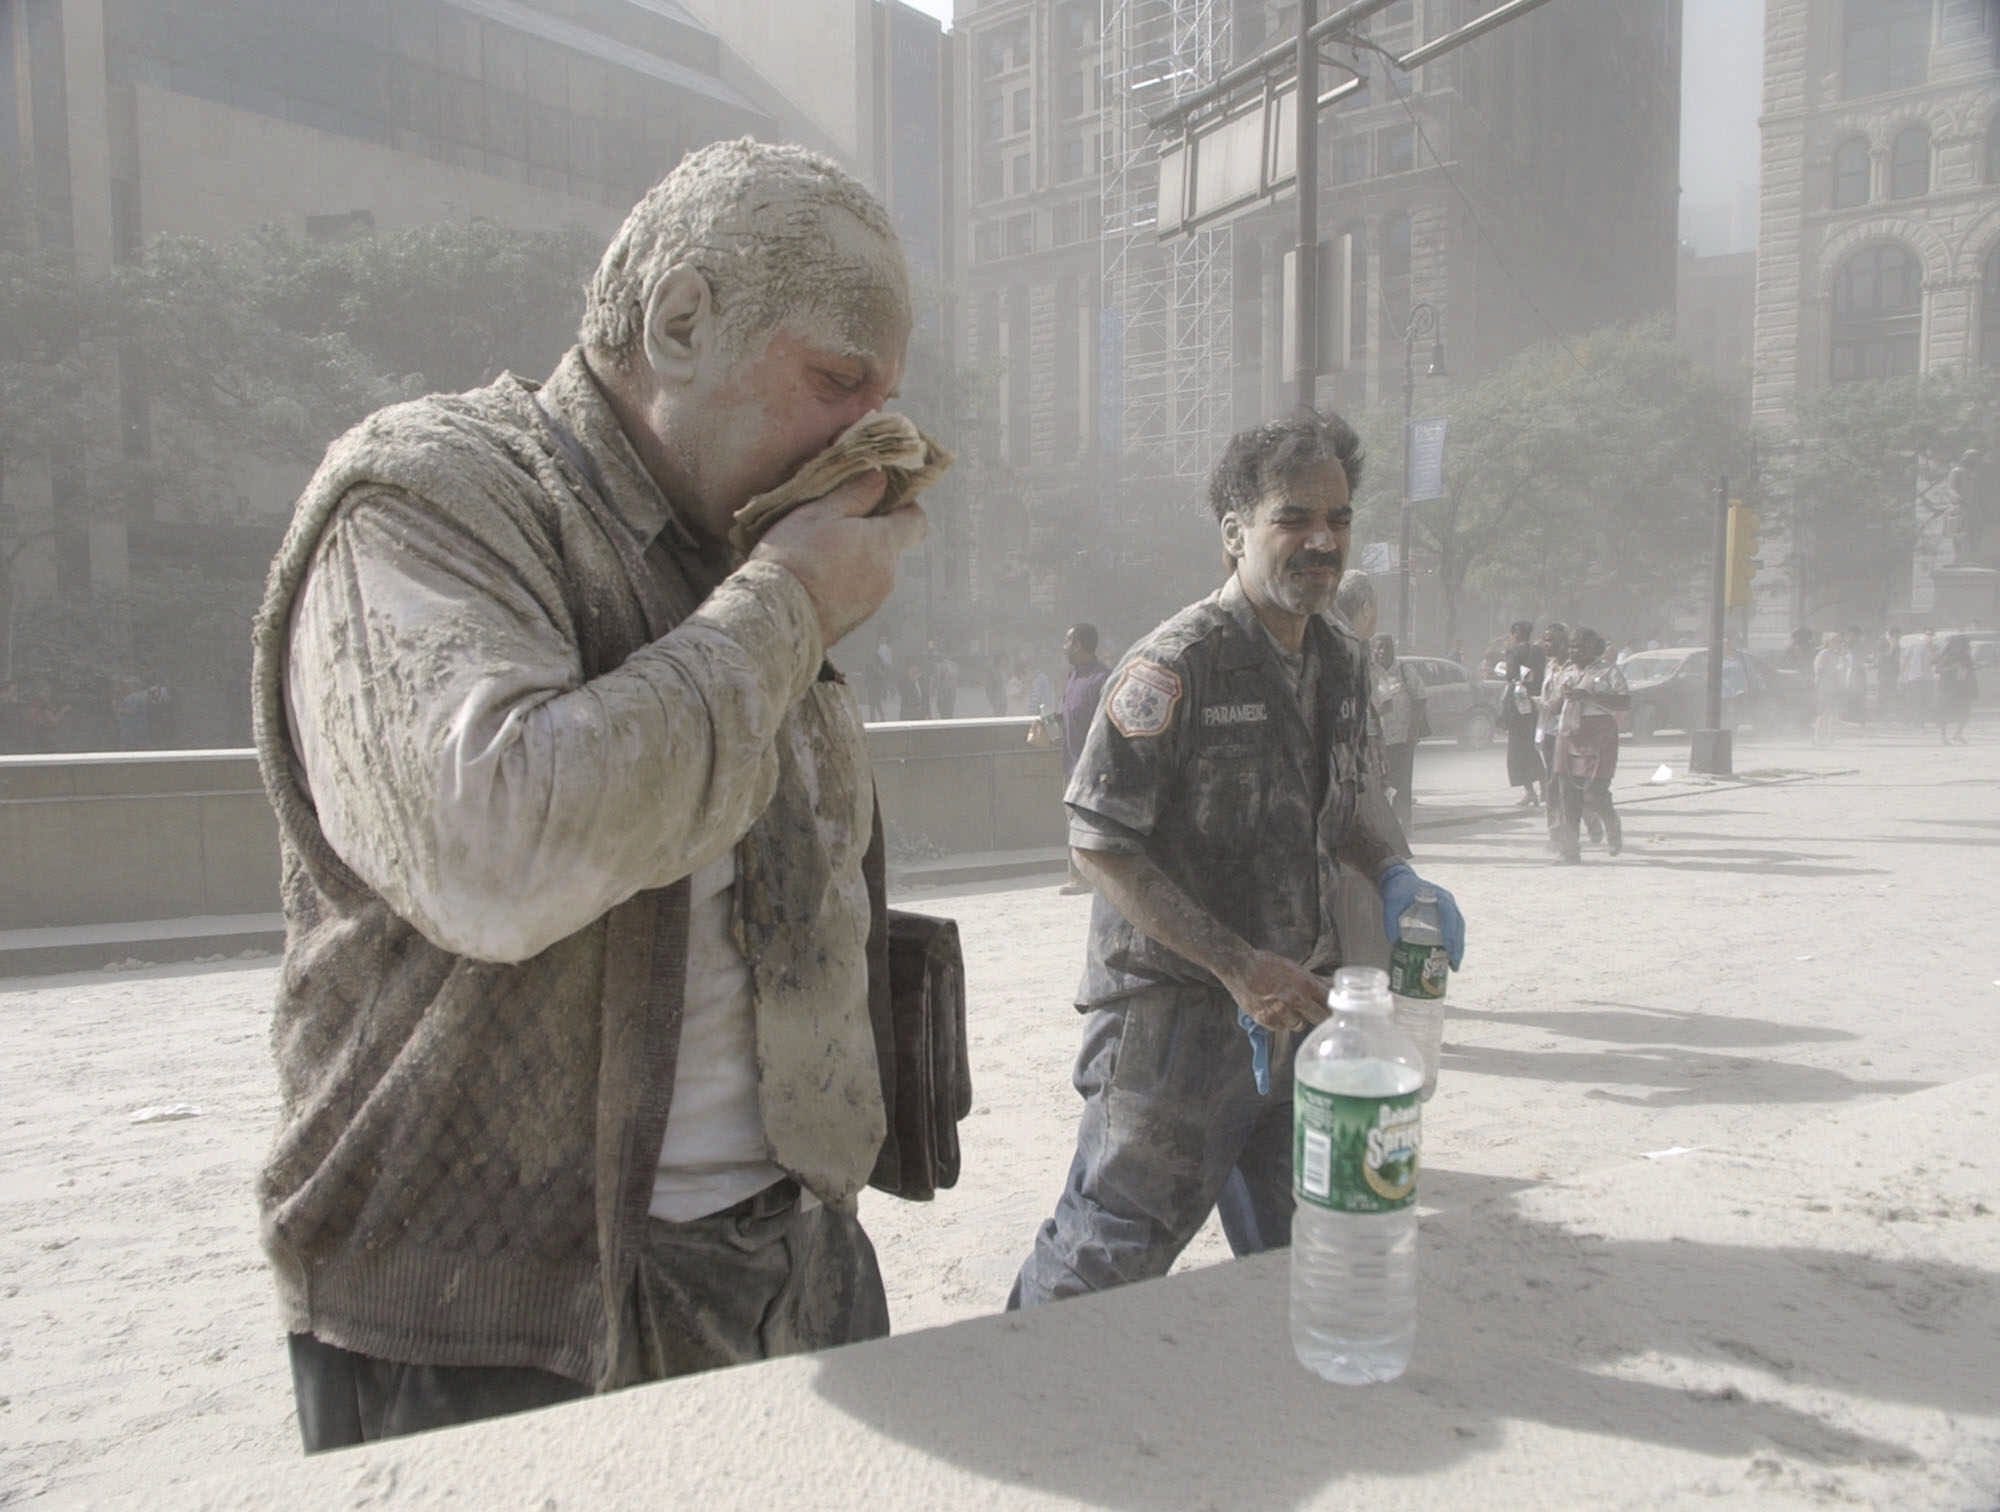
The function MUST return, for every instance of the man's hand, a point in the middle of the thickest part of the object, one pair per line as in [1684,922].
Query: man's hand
[1277,993]
[846,559]
[1398,886]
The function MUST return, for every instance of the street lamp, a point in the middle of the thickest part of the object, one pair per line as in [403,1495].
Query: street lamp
[1423,322]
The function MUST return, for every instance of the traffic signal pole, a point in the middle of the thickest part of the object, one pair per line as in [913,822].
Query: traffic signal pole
[1710,750]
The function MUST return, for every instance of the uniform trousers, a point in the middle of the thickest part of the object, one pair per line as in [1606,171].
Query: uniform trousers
[1172,1126]
[767,1277]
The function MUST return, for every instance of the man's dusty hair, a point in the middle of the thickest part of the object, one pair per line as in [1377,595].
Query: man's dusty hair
[1258,459]
[757,221]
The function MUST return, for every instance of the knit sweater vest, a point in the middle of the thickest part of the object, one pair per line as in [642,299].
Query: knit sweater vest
[465,1149]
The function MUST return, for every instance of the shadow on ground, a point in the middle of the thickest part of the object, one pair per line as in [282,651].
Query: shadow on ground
[1144,1399]
[1639,1024]
[1676,1077]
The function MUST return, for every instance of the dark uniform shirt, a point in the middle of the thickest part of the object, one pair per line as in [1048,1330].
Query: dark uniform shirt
[1238,776]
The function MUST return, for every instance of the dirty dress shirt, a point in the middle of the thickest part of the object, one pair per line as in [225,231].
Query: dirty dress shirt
[1240,778]
[566,865]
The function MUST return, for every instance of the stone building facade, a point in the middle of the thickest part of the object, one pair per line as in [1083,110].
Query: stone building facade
[1879,244]
[1519,194]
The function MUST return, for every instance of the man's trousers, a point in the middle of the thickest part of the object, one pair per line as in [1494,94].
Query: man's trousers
[1172,1125]
[764,1278]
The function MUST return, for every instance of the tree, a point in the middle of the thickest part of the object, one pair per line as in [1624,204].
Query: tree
[1575,476]
[1872,458]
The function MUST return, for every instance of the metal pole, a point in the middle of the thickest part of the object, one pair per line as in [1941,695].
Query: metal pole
[1306,305]
[1719,585]
[1403,552]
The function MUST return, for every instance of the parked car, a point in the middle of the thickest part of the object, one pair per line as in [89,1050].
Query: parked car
[1460,707]
[1670,692]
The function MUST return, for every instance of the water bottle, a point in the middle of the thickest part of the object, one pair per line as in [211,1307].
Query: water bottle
[1356,1139]
[1419,969]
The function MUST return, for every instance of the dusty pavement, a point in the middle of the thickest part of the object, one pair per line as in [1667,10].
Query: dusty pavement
[1764,954]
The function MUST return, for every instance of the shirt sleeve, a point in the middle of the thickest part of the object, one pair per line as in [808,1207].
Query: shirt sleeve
[1132,757]
[463,766]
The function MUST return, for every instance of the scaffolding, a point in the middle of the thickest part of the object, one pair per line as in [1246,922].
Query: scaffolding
[1166,348]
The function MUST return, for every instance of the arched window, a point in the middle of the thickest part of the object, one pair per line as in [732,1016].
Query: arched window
[1850,174]
[1910,164]
[1886,45]
[1877,313]
[1989,311]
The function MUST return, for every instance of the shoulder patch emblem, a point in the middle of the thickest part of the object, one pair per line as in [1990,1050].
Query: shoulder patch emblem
[1143,701]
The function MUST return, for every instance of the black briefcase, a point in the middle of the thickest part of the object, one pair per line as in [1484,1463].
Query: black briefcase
[916,1002]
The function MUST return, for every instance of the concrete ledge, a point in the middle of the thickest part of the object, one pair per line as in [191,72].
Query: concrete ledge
[1806,1322]
[88,947]
[123,838]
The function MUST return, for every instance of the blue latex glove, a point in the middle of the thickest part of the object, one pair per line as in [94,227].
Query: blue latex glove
[1398,886]
[1260,1051]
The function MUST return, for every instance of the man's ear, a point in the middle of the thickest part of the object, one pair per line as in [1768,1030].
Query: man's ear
[680,323]
[1232,535]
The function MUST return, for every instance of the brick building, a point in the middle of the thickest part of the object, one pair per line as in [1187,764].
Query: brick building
[1511,187]
[1879,247]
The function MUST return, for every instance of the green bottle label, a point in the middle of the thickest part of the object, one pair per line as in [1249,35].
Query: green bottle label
[1355,1154]
[1418,971]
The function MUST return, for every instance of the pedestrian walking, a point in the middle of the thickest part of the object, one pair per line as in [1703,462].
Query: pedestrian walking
[1829,683]
[995,685]
[1524,667]
[1593,693]
[1398,699]
[913,698]
[945,673]
[1886,658]
[1913,682]
[1221,782]
[1083,688]
[1957,687]
[577,1070]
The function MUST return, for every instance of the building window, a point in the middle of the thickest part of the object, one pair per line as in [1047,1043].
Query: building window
[1993,149]
[1850,174]
[1886,46]
[1399,149]
[1017,173]
[1077,27]
[1076,155]
[1020,235]
[1396,249]
[1023,111]
[1350,159]
[1877,314]
[1989,311]
[995,116]
[1003,50]
[986,241]
[1910,164]
[1357,305]
[992,177]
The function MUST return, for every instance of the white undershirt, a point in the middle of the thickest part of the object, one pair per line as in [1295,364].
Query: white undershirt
[714,1154]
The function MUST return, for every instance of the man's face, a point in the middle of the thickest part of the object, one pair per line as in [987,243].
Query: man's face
[750,420]
[1073,651]
[1290,551]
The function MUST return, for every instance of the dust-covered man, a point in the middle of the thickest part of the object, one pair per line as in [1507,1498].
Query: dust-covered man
[578,1079]
[1222,783]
